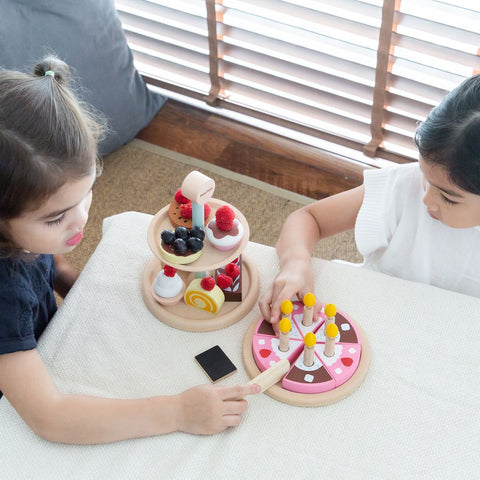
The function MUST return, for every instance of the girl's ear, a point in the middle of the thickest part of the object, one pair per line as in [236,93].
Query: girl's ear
[3,230]
[5,243]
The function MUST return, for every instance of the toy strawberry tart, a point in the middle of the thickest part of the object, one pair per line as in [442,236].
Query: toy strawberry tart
[224,232]
[182,246]
[180,211]
[168,287]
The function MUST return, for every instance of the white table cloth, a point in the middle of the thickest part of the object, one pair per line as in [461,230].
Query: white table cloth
[416,415]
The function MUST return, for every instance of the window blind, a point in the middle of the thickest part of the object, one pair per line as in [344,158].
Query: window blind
[356,73]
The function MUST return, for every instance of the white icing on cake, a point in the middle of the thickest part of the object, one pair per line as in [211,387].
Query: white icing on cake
[308,368]
[228,241]
[329,361]
[167,287]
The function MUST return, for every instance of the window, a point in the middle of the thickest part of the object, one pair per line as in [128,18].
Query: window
[351,74]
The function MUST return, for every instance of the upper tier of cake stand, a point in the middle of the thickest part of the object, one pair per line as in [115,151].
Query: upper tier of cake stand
[211,258]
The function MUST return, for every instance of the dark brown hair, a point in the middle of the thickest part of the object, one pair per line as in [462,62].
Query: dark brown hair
[47,136]
[450,136]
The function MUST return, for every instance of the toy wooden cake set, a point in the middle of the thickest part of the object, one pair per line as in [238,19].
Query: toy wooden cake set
[315,361]
[199,279]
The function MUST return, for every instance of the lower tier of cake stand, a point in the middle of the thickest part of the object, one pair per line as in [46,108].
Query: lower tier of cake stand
[191,319]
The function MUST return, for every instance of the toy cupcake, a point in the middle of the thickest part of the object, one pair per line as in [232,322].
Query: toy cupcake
[224,232]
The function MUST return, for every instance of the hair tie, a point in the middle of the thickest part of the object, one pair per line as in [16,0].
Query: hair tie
[50,72]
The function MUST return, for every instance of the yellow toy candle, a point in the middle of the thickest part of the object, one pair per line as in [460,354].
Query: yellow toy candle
[284,326]
[308,303]
[331,332]
[330,312]
[308,350]
[286,308]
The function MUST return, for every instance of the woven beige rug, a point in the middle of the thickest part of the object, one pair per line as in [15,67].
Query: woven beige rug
[143,177]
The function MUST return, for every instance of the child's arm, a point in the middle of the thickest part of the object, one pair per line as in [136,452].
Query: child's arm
[66,275]
[82,419]
[300,233]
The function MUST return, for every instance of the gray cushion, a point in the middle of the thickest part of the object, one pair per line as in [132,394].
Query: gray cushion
[87,35]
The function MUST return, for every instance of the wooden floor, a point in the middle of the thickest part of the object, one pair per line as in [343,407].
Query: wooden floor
[273,159]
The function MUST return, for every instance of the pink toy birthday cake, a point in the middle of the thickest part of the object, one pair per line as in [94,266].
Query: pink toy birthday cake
[328,369]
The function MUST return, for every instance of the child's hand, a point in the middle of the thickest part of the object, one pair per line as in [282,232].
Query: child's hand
[295,279]
[208,409]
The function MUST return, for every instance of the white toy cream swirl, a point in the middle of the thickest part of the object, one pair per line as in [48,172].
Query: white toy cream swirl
[168,287]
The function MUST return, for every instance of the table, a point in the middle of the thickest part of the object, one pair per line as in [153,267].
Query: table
[416,415]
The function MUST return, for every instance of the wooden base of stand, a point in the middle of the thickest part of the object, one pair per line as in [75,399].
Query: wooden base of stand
[303,399]
[191,319]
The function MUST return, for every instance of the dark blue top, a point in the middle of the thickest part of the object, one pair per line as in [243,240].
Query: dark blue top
[27,301]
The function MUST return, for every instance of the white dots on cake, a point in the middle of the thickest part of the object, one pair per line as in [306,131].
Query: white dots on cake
[298,317]
[308,378]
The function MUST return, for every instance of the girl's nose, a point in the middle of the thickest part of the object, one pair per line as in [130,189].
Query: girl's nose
[83,218]
[80,216]
[429,199]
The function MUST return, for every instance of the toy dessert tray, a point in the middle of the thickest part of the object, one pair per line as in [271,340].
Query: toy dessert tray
[186,317]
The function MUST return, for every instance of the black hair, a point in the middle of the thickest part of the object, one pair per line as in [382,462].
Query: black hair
[450,136]
[47,136]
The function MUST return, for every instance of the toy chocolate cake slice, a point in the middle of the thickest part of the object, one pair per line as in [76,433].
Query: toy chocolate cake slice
[233,292]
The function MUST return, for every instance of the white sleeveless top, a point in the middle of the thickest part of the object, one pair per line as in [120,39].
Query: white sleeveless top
[397,236]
